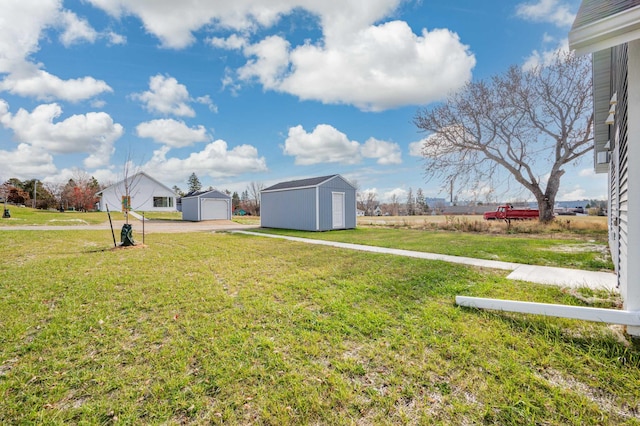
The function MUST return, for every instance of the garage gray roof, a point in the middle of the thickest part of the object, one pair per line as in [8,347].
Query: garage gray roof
[199,193]
[301,183]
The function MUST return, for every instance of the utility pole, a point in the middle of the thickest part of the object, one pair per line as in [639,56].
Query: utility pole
[35,185]
[451,191]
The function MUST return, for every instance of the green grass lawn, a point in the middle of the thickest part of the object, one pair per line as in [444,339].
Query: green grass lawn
[232,329]
[21,216]
[563,250]
[162,215]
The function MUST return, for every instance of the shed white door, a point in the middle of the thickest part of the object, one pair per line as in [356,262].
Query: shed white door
[337,208]
[212,209]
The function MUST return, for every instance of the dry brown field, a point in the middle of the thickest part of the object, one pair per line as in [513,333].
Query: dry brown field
[477,223]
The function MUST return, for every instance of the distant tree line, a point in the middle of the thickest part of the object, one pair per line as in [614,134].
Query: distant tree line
[413,205]
[79,193]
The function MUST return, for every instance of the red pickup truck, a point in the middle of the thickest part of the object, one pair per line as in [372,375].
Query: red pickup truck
[507,212]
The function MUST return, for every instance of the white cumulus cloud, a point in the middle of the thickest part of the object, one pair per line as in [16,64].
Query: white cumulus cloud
[22,24]
[360,59]
[166,96]
[76,30]
[26,162]
[400,194]
[174,26]
[546,57]
[415,148]
[325,144]
[42,85]
[377,68]
[215,160]
[555,12]
[385,152]
[171,132]
[93,133]
[115,38]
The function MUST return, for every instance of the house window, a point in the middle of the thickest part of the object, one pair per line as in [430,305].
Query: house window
[162,201]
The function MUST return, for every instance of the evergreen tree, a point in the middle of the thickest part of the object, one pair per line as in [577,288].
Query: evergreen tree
[194,183]
[421,203]
[411,204]
[178,191]
[235,200]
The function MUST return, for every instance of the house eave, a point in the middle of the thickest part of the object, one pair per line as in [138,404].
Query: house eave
[607,32]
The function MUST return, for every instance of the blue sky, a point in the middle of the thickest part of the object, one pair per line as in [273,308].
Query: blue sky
[254,90]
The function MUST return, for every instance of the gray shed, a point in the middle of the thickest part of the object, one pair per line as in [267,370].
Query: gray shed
[206,205]
[315,204]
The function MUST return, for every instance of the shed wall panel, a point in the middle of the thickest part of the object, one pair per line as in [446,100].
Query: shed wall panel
[325,196]
[290,209]
[190,209]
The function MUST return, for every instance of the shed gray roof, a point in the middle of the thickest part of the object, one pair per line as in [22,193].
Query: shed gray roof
[301,183]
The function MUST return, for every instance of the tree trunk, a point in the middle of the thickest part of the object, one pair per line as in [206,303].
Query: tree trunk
[545,206]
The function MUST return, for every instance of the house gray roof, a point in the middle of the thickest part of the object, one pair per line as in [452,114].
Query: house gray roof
[598,27]
[594,10]
[134,178]
[301,183]
[603,24]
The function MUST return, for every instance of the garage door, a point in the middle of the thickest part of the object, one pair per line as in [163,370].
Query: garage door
[212,209]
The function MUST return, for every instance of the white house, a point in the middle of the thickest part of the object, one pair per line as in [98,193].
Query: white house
[610,31]
[145,193]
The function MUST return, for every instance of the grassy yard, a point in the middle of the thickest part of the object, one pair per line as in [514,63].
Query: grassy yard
[21,216]
[232,329]
[26,216]
[565,250]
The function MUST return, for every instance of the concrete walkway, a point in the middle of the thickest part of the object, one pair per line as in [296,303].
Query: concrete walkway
[532,273]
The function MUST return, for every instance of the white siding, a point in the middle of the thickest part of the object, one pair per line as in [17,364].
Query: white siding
[142,190]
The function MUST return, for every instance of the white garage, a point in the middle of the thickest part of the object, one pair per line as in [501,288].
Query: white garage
[206,205]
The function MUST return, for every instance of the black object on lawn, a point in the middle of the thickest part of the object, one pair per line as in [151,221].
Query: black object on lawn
[126,235]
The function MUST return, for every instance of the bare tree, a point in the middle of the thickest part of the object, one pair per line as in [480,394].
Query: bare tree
[395,205]
[254,190]
[522,125]
[367,201]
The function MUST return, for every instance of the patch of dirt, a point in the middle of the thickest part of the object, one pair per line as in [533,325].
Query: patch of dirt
[580,248]
[604,400]
[78,221]
[136,246]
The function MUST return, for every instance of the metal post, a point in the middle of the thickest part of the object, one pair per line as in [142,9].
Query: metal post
[111,224]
